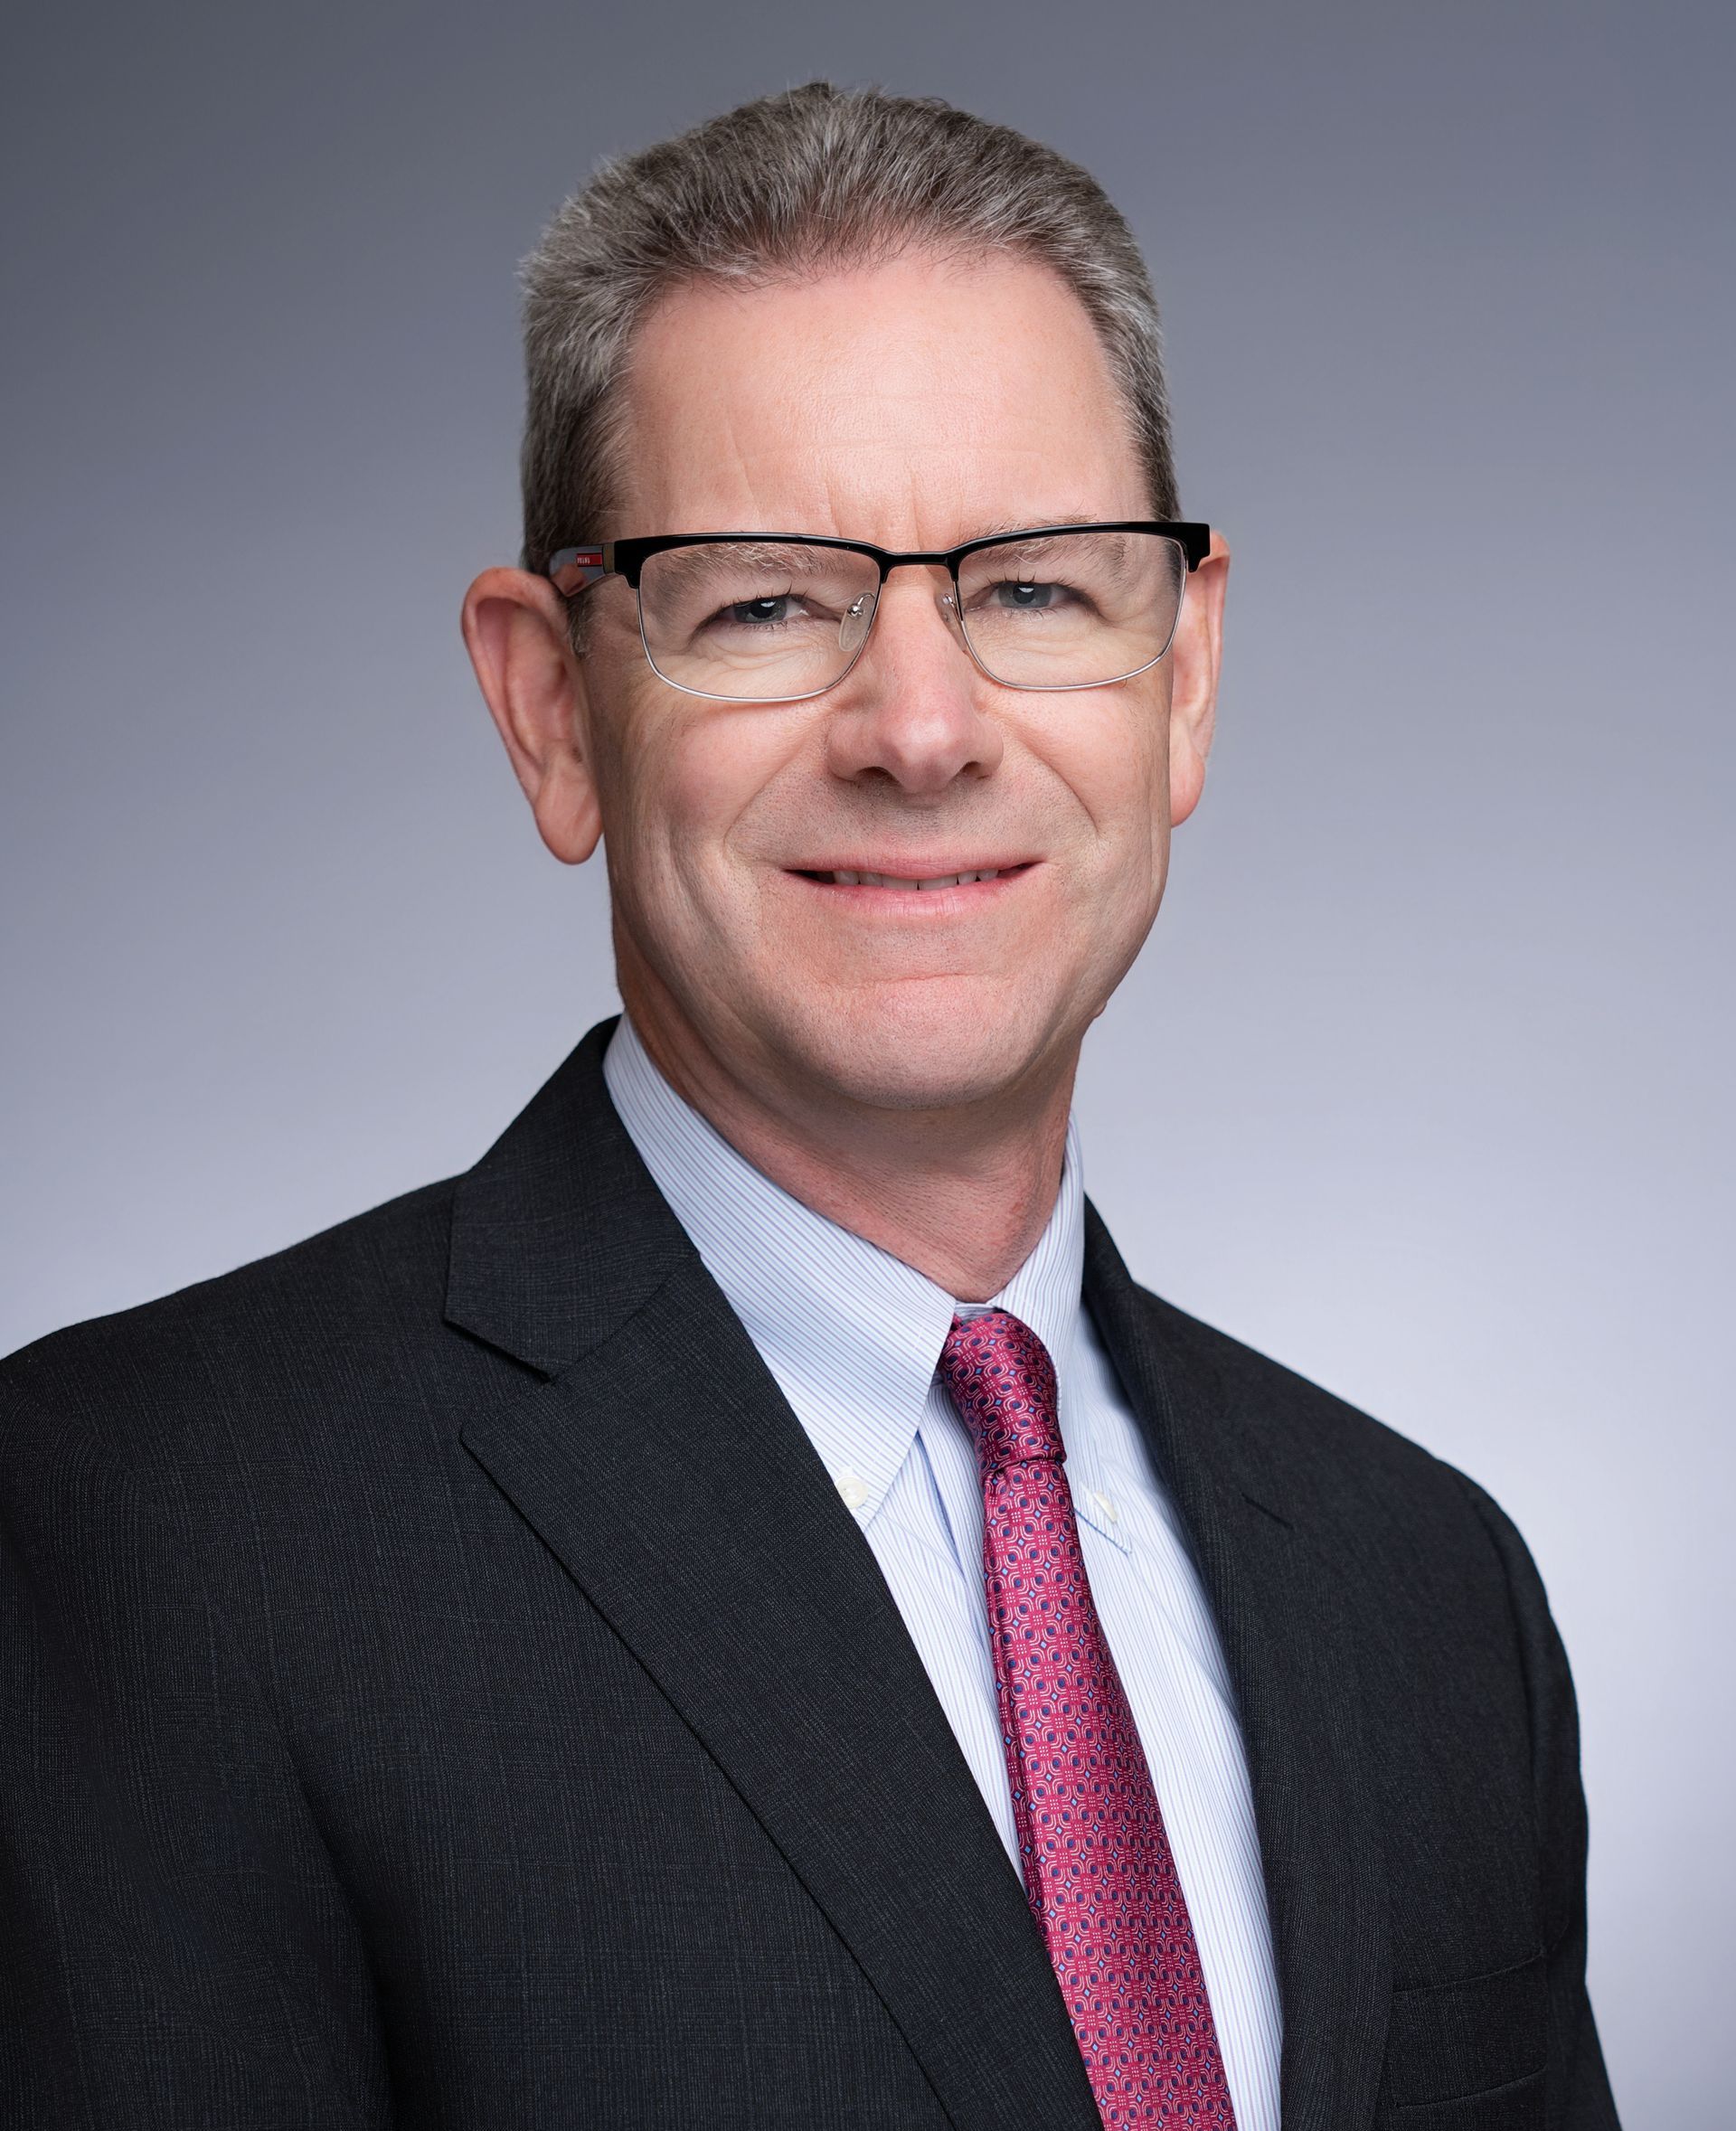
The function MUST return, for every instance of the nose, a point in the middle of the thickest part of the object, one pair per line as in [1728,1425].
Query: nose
[910,712]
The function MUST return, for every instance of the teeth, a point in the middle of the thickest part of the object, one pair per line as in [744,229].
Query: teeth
[849,880]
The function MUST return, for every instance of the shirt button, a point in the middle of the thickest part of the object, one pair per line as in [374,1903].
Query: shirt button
[1107,1507]
[853,1492]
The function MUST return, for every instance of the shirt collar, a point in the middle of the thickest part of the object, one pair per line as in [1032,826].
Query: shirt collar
[852,1334]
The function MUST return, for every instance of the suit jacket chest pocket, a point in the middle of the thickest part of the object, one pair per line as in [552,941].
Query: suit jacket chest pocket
[1468,2056]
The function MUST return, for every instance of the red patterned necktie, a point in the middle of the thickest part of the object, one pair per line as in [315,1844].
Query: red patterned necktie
[1098,1870]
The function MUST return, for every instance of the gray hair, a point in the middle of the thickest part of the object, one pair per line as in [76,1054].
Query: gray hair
[788,186]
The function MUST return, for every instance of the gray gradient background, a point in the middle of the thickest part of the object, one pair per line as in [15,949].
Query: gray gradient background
[1421,1083]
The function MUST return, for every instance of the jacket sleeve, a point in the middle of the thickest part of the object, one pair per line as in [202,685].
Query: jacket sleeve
[1580,2098]
[175,1948]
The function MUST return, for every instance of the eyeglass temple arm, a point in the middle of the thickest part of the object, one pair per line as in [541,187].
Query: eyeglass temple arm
[576,570]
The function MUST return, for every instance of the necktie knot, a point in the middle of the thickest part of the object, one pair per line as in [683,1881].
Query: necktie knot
[1003,1382]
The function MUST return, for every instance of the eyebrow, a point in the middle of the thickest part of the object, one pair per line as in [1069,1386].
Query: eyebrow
[1001,525]
[759,547]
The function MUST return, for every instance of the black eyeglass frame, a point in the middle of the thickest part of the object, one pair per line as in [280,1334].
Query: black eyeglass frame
[576,570]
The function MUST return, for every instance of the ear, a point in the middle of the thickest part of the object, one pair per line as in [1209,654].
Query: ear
[515,631]
[1195,657]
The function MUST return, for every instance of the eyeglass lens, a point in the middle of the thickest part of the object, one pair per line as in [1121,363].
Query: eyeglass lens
[759,621]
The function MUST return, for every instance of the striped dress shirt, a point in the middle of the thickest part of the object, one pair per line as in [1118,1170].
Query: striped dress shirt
[853,1336]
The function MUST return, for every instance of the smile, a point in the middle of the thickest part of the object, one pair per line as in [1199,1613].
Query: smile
[848,879]
[909,883]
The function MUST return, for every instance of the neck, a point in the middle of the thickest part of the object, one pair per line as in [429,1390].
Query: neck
[960,1194]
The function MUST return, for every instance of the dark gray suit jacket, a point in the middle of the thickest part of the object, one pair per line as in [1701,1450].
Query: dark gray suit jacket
[443,1688]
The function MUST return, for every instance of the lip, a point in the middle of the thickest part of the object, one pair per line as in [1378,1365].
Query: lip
[858,904]
[883,870]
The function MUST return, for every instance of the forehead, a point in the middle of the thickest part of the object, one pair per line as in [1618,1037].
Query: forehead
[914,404]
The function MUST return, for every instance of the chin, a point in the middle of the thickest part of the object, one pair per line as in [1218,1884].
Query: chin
[932,1045]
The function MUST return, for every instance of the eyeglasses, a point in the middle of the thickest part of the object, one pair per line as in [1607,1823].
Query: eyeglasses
[778,617]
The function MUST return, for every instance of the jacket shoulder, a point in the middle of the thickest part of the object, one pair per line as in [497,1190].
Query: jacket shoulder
[1300,1448]
[333,1307]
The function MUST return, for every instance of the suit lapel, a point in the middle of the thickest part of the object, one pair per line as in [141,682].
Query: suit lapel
[662,1466]
[1288,1641]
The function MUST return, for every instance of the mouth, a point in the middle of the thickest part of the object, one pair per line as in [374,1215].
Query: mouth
[925,883]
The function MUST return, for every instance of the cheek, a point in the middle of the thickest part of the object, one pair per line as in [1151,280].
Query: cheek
[1122,780]
[1114,761]
[711,773]
[688,777]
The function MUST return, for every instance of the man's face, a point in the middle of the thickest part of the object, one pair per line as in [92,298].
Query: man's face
[915,405]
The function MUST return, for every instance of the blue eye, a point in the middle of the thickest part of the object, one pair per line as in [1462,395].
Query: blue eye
[761,613]
[1026,596]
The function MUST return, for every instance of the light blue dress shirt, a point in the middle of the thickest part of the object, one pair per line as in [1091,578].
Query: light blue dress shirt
[854,1337]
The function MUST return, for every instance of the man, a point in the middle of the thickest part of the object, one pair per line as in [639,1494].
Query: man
[736,1611]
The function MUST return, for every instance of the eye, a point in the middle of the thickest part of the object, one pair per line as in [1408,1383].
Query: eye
[1026,595]
[749,593]
[767,611]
